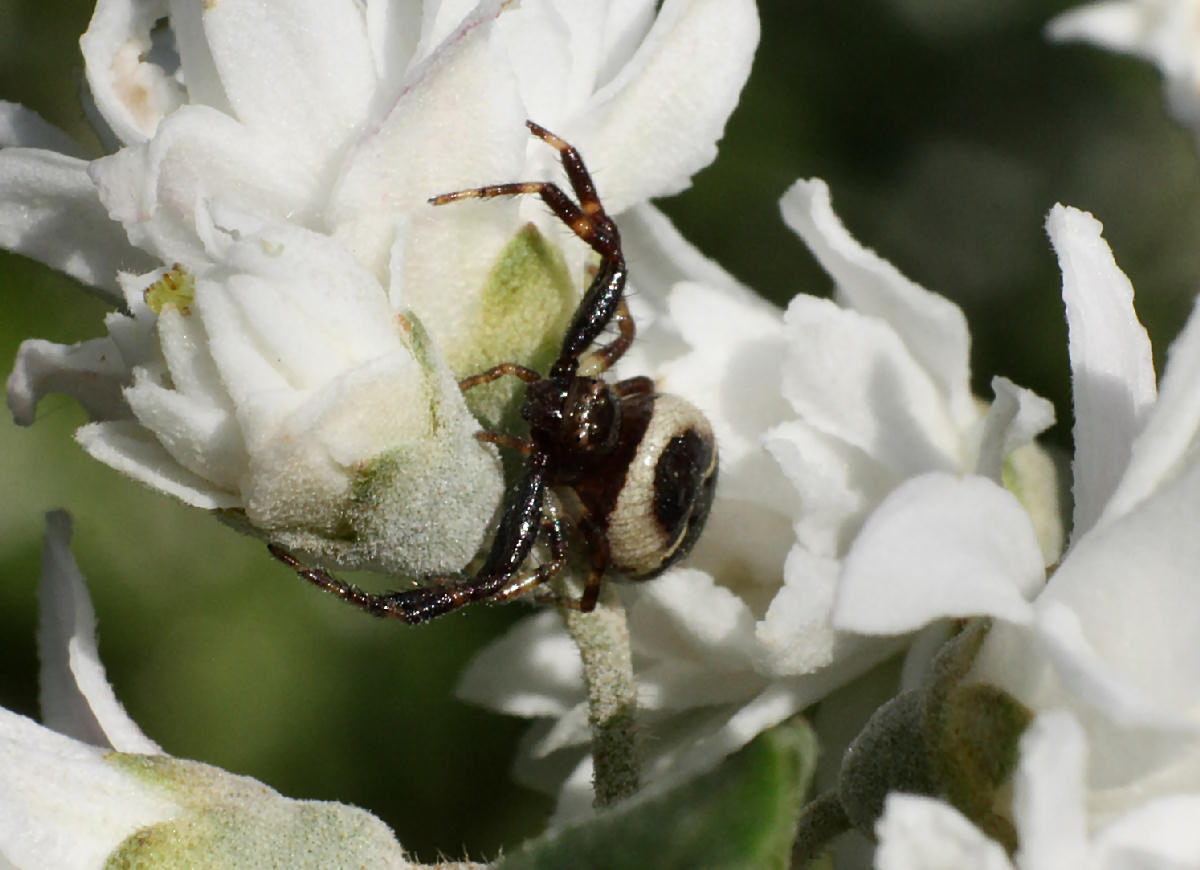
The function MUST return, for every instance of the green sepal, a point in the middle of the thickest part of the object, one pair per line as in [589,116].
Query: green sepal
[524,308]
[741,816]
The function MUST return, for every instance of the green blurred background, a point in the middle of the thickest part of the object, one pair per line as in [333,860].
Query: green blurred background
[946,129]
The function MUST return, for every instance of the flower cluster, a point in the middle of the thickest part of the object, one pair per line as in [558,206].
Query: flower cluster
[290,322]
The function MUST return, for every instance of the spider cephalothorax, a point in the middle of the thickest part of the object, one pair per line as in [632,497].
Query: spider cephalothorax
[633,469]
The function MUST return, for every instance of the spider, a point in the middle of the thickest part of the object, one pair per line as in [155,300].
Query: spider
[635,469]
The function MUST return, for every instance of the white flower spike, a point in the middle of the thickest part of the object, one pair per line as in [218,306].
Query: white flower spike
[293,315]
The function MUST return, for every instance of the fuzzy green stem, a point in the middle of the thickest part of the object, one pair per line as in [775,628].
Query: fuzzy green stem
[603,640]
[820,821]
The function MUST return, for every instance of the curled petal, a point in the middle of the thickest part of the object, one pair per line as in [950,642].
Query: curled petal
[1112,368]
[132,91]
[77,699]
[932,328]
[92,372]
[1015,418]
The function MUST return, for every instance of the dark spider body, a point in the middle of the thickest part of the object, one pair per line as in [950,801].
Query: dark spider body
[636,469]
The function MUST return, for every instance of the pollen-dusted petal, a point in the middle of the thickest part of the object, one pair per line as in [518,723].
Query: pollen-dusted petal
[940,546]
[1112,367]
[298,73]
[660,117]
[130,448]
[922,833]
[131,90]
[91,372]
[76,697]
[50,210]
[932,328]
[850,376]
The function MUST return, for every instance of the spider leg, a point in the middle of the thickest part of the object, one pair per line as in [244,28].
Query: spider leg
[553,527]
[602,358]
[516,536]
[528,375]
[512,442]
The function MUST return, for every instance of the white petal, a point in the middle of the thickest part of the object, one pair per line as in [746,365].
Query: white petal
[299,72]
[1111,363]
[132,92]
[203,438]
[76,697]
[1158,835]
[932,328]
[684,614]
[850,376]
[1164,447]
[92,372]
[660,257]
[920,833]
[62,804]
[1132,586]
[940,546]
[732,373]
[392,31]
[534,669]
[836,483]
[25,128]
[796,633]
[1049,795]
[657,122]
[156,189]
[130,448]
[464,103]
[50,211]
[1117,24]
[1015,418]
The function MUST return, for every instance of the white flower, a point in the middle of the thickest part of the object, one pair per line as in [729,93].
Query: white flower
[1164,32]
[90,790]
[297,368]
[1112,637]
[819,412]
[1050,808]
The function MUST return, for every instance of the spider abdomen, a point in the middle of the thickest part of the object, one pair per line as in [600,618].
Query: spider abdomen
[659,491]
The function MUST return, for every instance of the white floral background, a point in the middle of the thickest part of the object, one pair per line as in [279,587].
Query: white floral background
[945,135]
